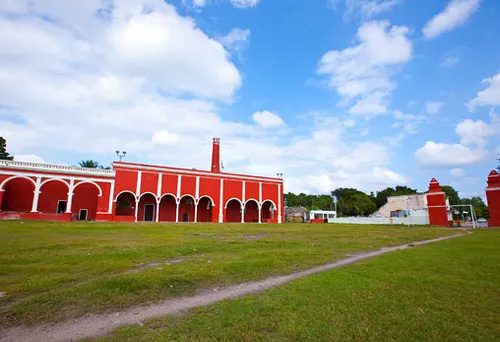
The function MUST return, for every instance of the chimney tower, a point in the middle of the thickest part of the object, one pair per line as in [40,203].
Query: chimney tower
[216,155]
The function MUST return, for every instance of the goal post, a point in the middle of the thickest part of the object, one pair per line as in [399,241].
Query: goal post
[452,208]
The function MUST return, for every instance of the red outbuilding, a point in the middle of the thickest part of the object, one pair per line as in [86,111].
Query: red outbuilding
[132,192]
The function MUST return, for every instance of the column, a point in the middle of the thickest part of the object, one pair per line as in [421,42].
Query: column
[195,212]
[34,208]
[111,198]
[221,202]
[136,209]
[279,203]
[70,196]
[242,212]
[260,213]
[157,210]
[177,212]
[138,187]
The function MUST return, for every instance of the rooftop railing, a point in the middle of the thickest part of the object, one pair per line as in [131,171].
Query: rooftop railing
[55,168]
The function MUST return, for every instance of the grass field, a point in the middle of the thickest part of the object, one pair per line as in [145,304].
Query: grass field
[51,272]
[445,291]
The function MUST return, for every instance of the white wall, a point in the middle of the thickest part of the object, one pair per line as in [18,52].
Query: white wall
[421,220]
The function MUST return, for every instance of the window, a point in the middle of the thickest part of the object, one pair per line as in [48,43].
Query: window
[331,215]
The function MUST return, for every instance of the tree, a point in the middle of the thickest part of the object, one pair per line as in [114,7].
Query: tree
[89,163]
[3,150]
[479,207]
[352,202]
[380,198]
[451,193]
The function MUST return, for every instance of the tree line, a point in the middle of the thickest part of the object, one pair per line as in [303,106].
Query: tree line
[353,202]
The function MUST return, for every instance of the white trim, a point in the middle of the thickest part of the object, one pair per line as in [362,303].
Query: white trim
[252,200]
[124,191]
[243,191]
[176,212]
[279,203]
[87,182]
[59,201]
[26,174]
[492,189]
[168,194]
[260,192]
[221,199]
[86,214]
[206,196]
[136,209]
[144,218]
[233,198]
[198,173]
[55,168]
[195,212]
[14,177]
[160,181]
[272,202]
[111,195]
[70,196]
[157,214]
[197,188]
[54,180]
[34,207]
[139,181]
[179,183]
[188,195]
[435,193]
[148,193]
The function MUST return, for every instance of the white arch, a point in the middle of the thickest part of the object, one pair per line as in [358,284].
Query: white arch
[210,198]
[168,194]
[234,198]
[274,204]
[89,182]
[147,193]
[54,180]
[188,195]
[124,191]
[14,177]
[252,200]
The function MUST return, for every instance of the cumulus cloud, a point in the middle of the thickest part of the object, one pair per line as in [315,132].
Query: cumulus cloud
[244,3]
[441,154]
[365,9]
[361,74]
[457,172]
[455,14]
[164,138]
[434,107]
[267,119]
[488,97]
[236,40]
[473,132]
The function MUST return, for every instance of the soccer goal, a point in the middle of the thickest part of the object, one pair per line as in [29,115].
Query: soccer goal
[458,216]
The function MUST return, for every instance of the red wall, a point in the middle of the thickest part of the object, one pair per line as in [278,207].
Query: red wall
[251,190]
[270,191]
[169,184]
[149,182]
[146,199]
[251,212]
[210,187]
[167,209]
[493,198]
[233,212]
[51,193]
[103,201]
[125,180]
[232,189]
[18,195]
[188,186]
[85,197]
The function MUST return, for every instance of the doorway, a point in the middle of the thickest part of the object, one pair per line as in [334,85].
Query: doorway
[185,217]
[83,215]
[61,206]
[149,212]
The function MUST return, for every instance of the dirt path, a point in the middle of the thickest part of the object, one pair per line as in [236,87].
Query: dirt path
[99,325]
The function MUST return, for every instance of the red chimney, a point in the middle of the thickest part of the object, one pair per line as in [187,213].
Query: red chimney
[216,155]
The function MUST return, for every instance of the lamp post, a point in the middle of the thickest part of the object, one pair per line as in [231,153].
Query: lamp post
[121,154]
[279,174]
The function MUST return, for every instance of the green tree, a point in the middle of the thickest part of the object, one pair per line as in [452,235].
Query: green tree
[323,202]
[380,198]
[451,194]
[3,150]
[352,202]
[89,163]
[479,207]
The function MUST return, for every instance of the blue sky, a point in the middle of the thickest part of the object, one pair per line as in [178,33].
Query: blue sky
[332,93]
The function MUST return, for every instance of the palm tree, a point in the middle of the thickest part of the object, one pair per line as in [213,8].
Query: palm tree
[89,163]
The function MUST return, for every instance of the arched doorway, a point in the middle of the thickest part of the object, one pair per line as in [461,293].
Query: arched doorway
[18,195]
[186,209]
[267,211]
[251,211]
[53,197]
[84,204]
[233,211]
[168,208]
[125,204]
[147,208]
[205,210]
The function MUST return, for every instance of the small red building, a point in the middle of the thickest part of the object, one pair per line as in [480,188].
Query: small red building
[133,192]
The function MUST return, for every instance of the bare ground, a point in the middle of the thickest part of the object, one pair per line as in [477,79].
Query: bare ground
[99,325]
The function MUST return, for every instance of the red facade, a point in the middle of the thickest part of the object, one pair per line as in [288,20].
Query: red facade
[436,204]
[137,192]
[493,198]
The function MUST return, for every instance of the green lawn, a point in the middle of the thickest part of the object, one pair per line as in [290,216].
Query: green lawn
[52,272]
[445,291]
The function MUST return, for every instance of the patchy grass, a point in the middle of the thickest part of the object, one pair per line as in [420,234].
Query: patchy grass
[52,272]
[445,291]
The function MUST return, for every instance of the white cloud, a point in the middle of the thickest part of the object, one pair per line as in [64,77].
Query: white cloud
[236,40]
[33,158]
[267,119]
[440,154]
[455,14]
[195,3]
[364,132]
[361,74]
[473,132]
[457,172]
[488,97]
[434,107]
[365,9]
[164,138]
[450,61]
[349,122]
[244,3]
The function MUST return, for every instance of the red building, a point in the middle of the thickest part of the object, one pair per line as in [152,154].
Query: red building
[133,192]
